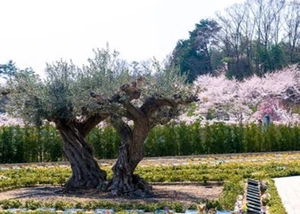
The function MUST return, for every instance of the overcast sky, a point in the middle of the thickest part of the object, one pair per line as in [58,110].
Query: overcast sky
[34,32]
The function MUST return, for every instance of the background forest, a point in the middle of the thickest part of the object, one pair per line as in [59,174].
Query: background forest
[254,37]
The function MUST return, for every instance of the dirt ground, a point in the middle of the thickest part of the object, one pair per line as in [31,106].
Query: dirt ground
[180,193]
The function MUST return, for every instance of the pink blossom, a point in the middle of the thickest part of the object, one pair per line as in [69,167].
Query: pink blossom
[246,101]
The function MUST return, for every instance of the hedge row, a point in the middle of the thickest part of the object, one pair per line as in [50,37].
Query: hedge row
[19,145]
[221,138]
[29,144]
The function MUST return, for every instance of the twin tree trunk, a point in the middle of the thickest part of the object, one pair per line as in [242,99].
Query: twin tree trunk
[86,173]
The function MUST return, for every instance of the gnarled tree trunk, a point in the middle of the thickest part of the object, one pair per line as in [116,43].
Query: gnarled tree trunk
[86,173]
[131,152]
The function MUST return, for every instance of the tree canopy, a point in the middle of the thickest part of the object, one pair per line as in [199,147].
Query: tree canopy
[68,91]
[8,70]
[253,37]
[193,55]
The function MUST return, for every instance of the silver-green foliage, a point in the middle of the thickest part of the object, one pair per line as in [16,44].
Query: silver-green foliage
[165,82]
[67,87]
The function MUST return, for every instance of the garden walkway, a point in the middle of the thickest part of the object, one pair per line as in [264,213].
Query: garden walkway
[289,190]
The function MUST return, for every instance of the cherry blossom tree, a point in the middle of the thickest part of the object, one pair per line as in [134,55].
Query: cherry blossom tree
[251,99]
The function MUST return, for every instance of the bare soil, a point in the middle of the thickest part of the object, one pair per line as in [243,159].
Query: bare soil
[178,192]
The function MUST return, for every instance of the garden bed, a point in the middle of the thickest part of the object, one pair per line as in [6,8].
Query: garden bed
[193,179]
[179,192]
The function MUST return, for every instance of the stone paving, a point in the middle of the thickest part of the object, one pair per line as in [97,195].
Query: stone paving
[289,191]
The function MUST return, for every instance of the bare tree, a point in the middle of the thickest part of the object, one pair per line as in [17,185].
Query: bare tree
[292,29]
[236,36]
[251,35]
[268,16]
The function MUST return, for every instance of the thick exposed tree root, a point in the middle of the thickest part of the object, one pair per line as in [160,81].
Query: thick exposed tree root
[137,188]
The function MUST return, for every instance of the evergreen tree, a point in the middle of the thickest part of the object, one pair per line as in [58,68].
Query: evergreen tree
[193,56]
[8,70]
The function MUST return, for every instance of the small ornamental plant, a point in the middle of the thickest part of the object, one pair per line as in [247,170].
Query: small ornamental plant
[265,198]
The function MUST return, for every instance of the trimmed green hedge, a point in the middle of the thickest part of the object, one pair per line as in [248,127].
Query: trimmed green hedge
[220,138]
[19,145]
[29,144]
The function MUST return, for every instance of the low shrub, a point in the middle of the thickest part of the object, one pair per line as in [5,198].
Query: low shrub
[229,171]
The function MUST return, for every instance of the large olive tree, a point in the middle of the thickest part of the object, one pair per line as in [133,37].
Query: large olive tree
[77,99]
[148,102]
